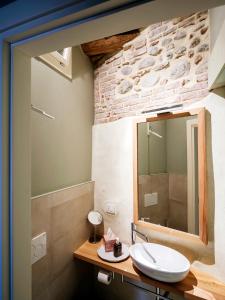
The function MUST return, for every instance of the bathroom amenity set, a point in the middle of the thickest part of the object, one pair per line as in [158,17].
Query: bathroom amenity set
[154,260]
[112,250]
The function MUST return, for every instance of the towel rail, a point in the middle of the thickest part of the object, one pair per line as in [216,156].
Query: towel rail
[40,111]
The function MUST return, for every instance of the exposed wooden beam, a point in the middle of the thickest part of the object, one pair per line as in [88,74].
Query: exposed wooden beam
[108,44]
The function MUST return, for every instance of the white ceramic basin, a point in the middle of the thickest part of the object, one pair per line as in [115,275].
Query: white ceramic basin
[159,262]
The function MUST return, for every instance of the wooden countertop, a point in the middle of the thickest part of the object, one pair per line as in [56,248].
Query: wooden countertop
[197,285]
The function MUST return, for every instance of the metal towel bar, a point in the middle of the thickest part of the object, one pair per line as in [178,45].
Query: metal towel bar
[40,111]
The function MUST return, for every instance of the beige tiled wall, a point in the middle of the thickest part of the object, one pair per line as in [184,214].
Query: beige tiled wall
[159,183]
[63,215]
[171,209]
[178,201]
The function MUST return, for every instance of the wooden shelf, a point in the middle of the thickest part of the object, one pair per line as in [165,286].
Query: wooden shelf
[197,285]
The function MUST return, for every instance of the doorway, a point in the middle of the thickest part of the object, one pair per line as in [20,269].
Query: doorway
[21,52]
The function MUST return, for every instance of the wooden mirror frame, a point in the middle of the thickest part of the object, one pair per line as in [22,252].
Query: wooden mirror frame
[203,234]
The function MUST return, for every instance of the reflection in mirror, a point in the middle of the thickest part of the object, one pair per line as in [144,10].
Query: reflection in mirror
[168,173]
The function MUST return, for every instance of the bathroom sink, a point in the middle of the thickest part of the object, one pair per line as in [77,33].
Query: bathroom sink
[159,262]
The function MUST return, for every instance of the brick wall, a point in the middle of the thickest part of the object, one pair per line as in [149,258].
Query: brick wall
[166,64]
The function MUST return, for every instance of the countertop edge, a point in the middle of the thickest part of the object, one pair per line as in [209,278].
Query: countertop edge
[88,252]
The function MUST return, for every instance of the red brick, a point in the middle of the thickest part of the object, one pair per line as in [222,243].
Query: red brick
[202,77]
[102,75]
[139,43]
[194,94]
[108,78]
[194,87]
[110,106]
[140,51]
[187,22]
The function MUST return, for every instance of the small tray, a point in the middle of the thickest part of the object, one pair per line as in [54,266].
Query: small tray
[109,256]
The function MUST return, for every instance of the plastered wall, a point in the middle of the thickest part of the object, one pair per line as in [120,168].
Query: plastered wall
[61,148]
[112,171]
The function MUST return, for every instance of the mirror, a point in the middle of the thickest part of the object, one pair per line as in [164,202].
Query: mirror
[168,150]
[95,218]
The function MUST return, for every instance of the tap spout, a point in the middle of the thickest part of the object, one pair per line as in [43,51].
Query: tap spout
[133,229]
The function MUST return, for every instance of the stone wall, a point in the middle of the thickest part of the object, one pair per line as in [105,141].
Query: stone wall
[166,64]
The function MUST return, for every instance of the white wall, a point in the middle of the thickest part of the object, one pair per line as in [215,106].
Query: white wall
[217,40]
[112,171]
[216,16]
[215,104]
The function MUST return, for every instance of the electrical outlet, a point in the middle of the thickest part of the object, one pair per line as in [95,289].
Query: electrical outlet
[38,247]
[110,208]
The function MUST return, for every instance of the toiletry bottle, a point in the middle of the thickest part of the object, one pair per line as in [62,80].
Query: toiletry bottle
[117,249]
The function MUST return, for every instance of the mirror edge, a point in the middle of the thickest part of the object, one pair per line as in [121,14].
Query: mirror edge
[203,232]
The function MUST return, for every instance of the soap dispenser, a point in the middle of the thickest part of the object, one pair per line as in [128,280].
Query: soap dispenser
[117,249]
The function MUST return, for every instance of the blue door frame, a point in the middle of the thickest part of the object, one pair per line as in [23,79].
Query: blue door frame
[4,36]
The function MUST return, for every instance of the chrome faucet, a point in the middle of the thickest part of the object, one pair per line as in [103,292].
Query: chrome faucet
[133,229]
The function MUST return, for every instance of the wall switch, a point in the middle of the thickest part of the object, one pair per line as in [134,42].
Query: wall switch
[150,199]
[110,208]
[38,247]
